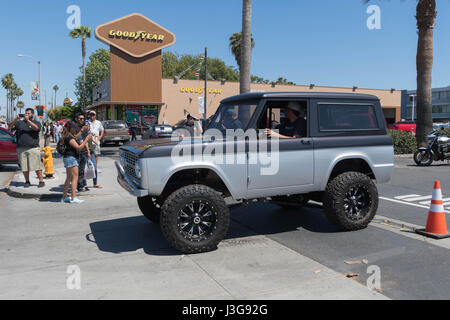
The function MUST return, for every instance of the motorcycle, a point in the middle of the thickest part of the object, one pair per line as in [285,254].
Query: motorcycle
[438,150]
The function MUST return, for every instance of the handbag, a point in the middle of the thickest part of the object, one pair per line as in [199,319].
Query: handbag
[89,170]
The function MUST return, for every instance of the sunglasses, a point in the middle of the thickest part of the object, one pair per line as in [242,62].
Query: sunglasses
[81,119]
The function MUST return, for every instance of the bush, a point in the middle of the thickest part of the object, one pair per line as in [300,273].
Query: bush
[445,132]
[404,142]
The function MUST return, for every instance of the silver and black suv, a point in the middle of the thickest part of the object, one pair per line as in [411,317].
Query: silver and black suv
[187,183]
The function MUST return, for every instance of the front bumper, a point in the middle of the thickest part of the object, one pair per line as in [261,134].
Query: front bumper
[127,184]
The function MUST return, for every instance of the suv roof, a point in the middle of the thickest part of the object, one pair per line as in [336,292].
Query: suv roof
[299,94]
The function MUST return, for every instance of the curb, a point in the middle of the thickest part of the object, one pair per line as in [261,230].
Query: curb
[403,156]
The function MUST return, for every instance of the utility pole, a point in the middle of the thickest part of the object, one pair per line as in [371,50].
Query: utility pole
[206,83]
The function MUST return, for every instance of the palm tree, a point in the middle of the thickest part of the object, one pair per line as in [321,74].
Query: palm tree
[14,93]
[55,88]
[426,20]
[83,32]
[246,46]
[235,46]
[7,82]
[20,105]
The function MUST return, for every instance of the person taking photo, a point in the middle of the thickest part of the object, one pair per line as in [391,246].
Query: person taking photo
[71,156]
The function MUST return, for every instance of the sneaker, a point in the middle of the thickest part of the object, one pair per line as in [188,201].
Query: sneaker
[76,200]
[66,199]
[41,184]
[27,184]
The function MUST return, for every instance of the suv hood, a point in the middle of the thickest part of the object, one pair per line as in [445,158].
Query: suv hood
[153,147]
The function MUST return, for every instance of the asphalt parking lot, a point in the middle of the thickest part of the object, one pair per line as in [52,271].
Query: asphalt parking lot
[126,256]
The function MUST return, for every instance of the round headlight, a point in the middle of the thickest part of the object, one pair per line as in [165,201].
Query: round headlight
[122,159]
[137,170]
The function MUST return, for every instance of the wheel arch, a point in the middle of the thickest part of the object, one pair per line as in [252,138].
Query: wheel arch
[205,175]
[357,163]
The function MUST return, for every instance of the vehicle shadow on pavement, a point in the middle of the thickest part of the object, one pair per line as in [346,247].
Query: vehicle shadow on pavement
[129,235]
[270,219]
[135,233]
[5,168]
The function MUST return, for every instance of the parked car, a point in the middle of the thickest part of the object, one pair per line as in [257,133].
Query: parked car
[437,126]
[116,131]
[345,151]
[8,151]
[158,131]
[403,126]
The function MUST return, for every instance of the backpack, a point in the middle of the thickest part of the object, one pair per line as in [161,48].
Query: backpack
[61,148]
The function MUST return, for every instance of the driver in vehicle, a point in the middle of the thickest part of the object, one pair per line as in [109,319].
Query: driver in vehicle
[231,121]
[295,128]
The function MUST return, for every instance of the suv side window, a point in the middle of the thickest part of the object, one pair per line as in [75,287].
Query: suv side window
[347,117]
[276,116]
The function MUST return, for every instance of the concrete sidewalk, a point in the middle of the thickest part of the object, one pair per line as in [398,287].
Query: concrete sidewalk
[54,186]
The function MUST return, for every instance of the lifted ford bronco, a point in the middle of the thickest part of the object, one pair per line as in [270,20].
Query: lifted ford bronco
[342,151]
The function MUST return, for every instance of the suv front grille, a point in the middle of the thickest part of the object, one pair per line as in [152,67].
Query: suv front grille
[130,163]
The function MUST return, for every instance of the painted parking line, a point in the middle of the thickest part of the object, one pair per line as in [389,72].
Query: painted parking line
[407,196]
[409,203]
[415,197]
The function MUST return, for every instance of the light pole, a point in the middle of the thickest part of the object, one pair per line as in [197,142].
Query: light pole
[412,113]
[39,68]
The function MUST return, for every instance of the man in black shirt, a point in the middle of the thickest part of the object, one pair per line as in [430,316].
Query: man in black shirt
[84,155]
[29,153]
[296,126]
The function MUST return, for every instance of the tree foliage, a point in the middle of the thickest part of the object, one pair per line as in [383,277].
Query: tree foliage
[97,70]
[186,66]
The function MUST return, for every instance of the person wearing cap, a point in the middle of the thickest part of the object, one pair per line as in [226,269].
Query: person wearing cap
[296,128]
[189,124]
[231,121]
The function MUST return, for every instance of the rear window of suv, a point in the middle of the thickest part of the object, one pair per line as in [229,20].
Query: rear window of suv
[347,117]
[115,125]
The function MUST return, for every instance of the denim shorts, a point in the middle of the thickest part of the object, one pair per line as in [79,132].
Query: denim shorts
[70,162]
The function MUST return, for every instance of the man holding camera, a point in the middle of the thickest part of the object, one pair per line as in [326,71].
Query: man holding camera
[27,133]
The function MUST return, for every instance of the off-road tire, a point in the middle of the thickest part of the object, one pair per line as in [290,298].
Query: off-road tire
[150,208]
[295,201]
[336,199]
[171,213]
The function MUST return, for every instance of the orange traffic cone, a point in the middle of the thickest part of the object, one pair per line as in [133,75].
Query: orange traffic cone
[436,225]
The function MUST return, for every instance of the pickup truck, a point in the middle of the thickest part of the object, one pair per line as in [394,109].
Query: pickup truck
[284,147]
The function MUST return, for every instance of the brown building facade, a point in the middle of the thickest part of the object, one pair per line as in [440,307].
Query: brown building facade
[181,98]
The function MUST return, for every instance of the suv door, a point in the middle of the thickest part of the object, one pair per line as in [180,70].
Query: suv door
[292,167]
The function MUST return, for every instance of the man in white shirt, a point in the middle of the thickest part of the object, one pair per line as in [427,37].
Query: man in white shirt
[58,131]
[97,131]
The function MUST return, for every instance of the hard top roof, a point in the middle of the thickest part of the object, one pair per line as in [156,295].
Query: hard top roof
[300,94]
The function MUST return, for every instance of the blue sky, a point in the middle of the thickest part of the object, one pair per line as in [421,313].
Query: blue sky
[325,42]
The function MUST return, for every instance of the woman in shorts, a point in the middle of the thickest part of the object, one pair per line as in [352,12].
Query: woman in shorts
[71,155]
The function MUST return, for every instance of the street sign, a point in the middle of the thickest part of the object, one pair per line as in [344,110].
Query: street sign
[201,105]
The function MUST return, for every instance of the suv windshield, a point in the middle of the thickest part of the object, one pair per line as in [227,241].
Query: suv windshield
[233,115]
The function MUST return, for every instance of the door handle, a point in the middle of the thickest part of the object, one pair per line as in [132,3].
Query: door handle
[306,142]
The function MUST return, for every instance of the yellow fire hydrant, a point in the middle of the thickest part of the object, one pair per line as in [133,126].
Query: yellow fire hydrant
[48,161]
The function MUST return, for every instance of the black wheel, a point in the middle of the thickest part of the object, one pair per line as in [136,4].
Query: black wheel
[150,208]
[290,202]
[351,201]
[423,158]
[194,219]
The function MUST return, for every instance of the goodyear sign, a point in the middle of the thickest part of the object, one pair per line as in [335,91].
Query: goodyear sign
[200,90]
[136,35]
